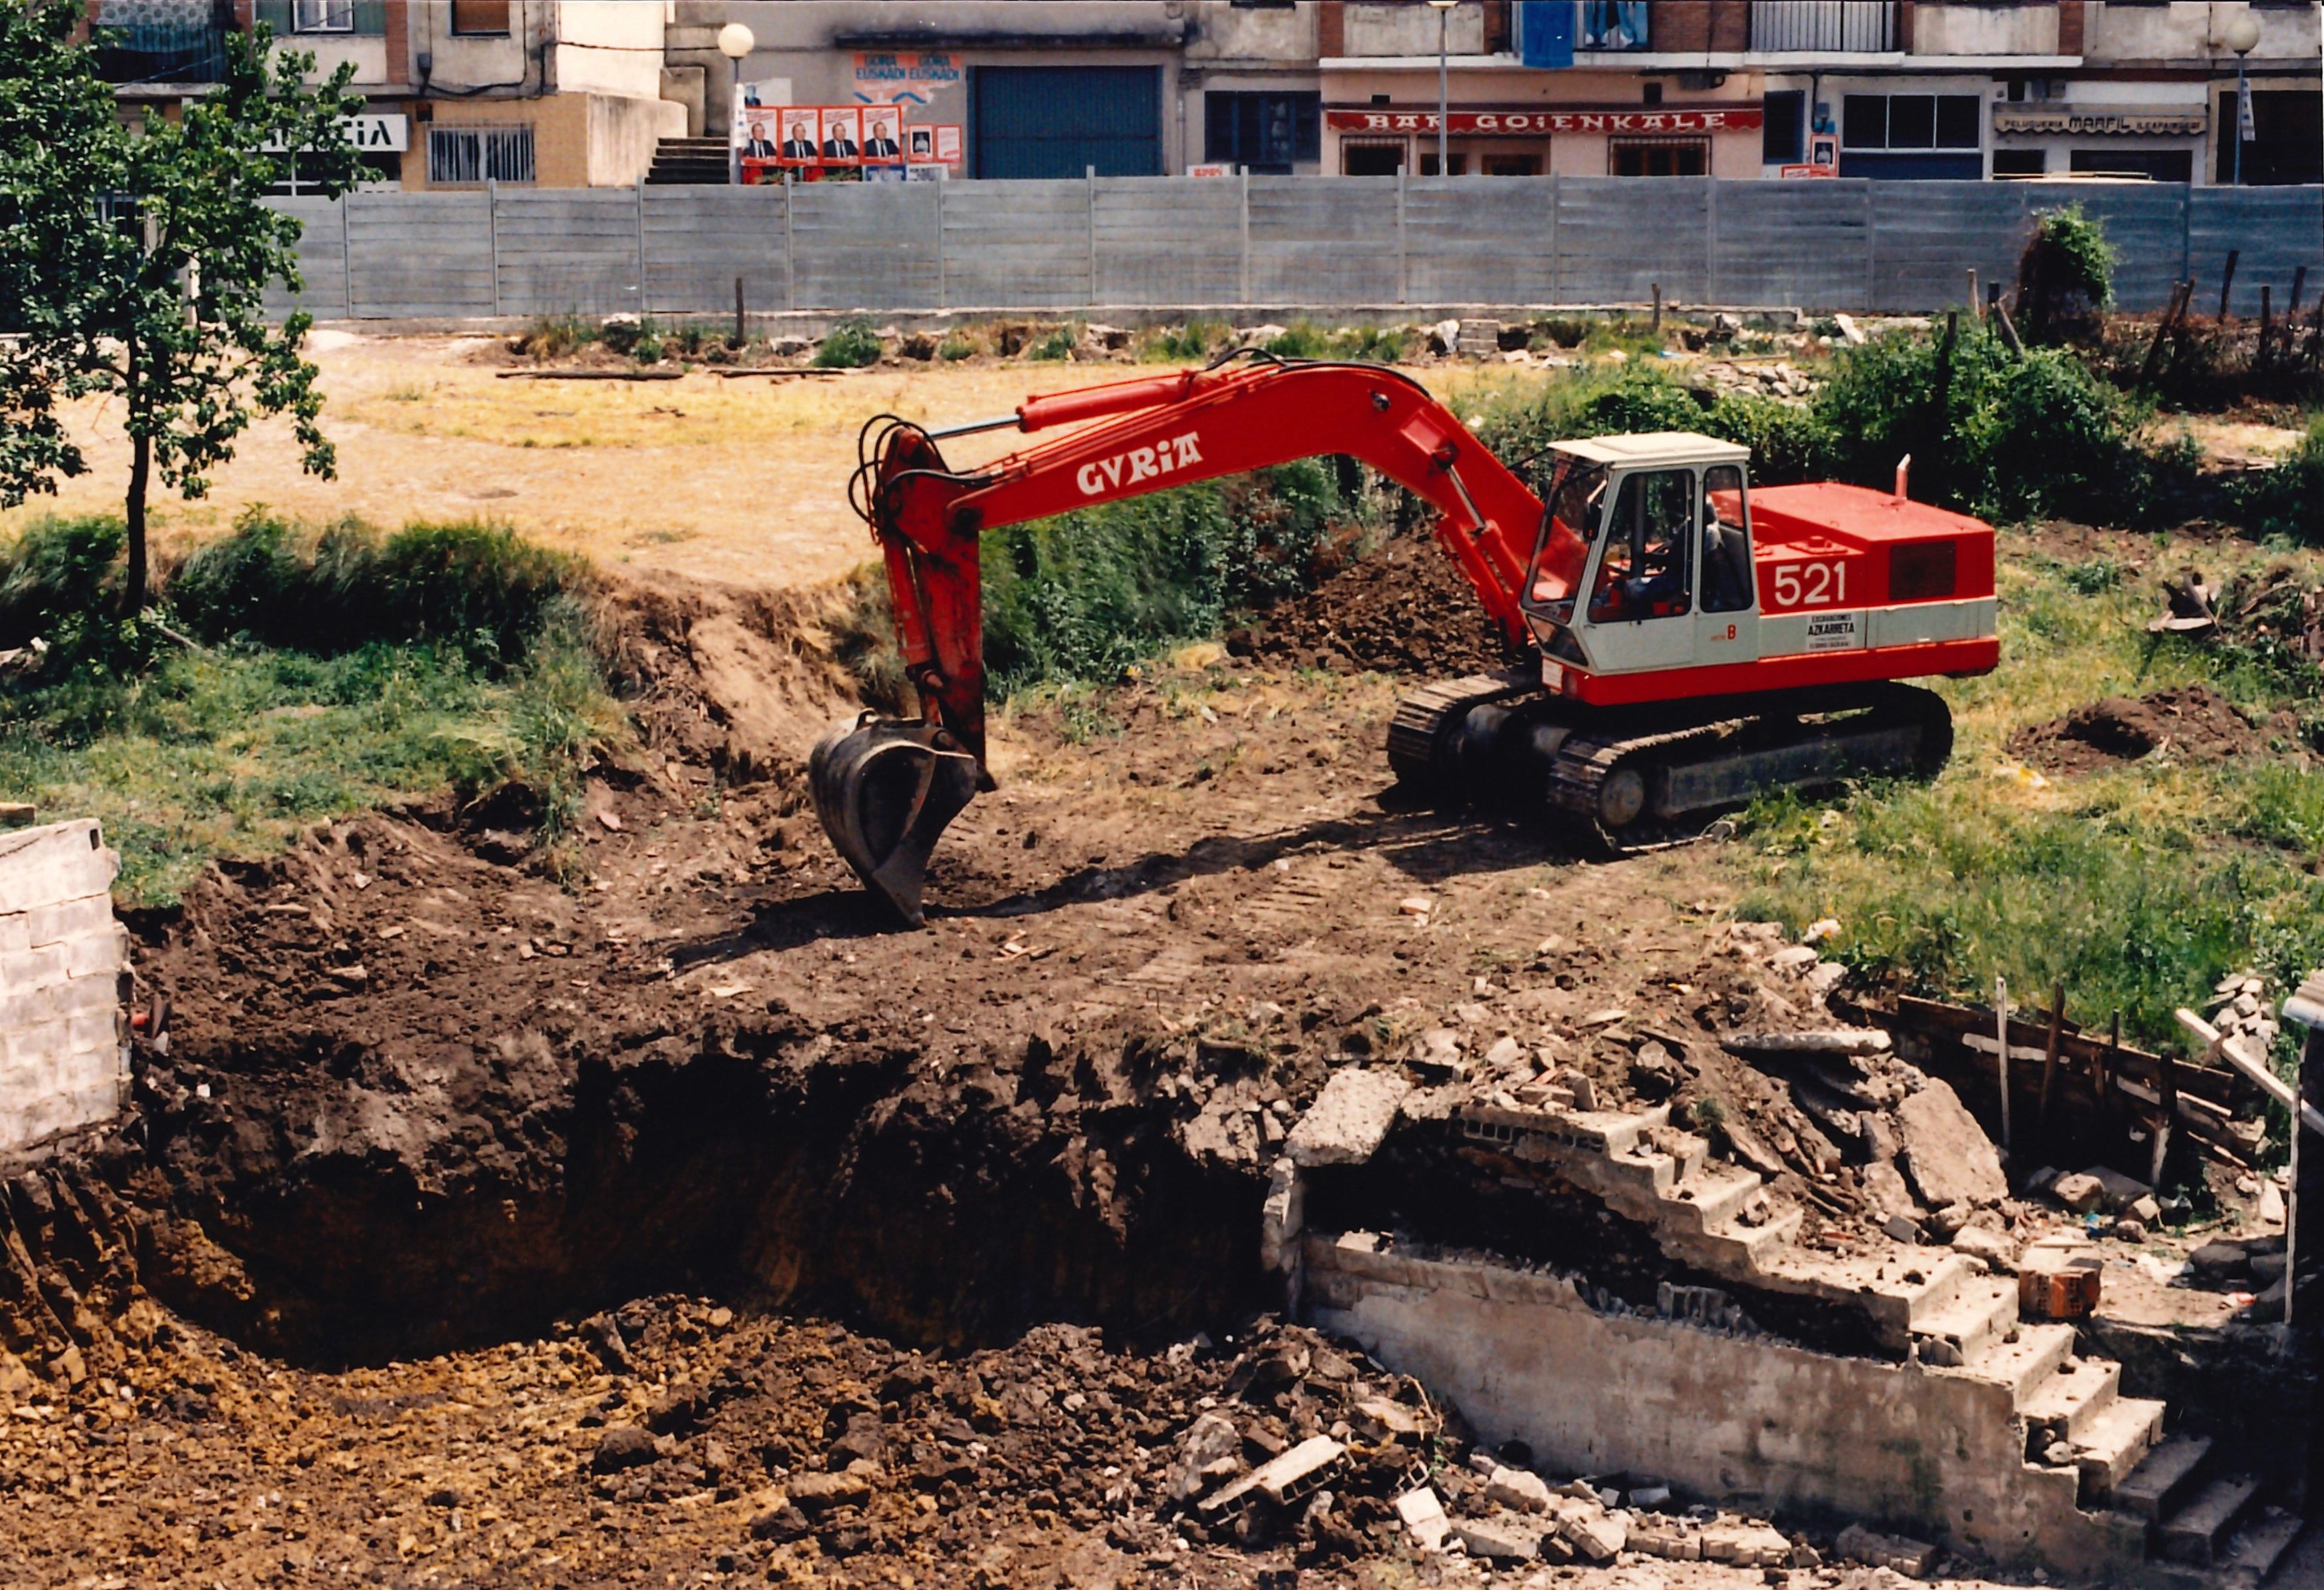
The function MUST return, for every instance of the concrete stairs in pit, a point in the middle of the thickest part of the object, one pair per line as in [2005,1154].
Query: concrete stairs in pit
[701,162]
[2203,1527]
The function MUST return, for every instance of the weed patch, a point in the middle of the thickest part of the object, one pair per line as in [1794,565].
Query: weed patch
[852,344]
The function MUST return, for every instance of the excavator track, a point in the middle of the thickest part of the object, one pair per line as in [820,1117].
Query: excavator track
[1418,736]
[1630,792]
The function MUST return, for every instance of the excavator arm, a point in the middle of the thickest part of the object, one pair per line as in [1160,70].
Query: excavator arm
[886,789]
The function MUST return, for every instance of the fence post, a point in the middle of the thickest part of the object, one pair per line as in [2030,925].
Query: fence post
[347,255]
[1710,252]
[790,251]
[492,225]
[1871,255]
[1556,278]
[943,288]
[1245,295]
[1089,218]
[1402,260]
[641,288]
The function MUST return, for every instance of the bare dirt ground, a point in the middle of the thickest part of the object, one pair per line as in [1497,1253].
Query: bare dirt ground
[485,1226]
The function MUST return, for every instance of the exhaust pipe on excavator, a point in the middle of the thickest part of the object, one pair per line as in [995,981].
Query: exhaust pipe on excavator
[886,790]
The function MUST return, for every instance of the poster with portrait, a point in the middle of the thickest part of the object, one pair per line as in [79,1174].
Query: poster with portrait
[884,135]
[843,135]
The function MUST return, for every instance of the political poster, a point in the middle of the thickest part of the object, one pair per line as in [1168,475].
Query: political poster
[843,135]
[802,141]
[884,135]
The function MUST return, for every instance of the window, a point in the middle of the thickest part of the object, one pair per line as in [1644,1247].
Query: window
[1614,25]
[2156,165]
[2287,146]
[1726,542]
[1456,158]
[2020,162]
[323,16]
[1371,159]
[1510,165]
[1657,157]
[1265,132]
[1784,125]
[1649,542]
[481,17]
[469,157]
[1910,121]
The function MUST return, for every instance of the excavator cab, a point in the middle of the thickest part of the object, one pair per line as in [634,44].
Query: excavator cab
[1643,538]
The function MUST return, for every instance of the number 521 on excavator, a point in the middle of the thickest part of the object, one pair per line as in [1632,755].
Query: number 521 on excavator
[1692,643]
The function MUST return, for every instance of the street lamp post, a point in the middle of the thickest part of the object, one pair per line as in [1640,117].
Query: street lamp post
[2242,36]
[1444,92]
[734,42]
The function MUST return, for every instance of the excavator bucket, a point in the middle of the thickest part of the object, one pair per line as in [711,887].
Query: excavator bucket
[886,790]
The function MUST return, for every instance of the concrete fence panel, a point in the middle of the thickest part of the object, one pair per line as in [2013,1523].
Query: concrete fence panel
[322,260]
[2274,230]
[699,240]
[1322,242]
[415,255]
[1079,246]
[1925,237]
[1167,243]
[568,252]
[1017,244]
[1480,243]
[1784,242]
[1618,237]
[863,246]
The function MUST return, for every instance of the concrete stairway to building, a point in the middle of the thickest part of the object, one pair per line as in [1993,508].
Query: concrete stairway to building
[691,161]
[1942,1311]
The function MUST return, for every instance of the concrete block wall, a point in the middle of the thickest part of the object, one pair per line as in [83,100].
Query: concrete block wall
[63,959]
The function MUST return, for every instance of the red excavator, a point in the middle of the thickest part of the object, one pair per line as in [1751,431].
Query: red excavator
[1692,643]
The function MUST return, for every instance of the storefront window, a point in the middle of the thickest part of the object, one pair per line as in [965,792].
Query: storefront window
[1658,157]
[1378,159]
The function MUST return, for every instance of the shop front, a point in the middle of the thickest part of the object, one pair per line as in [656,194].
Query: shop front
[1627,141]
[2158,141]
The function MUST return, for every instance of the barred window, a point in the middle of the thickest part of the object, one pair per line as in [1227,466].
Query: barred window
[469,157]
[324,16]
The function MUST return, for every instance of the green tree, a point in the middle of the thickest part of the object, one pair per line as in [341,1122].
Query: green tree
[135,260]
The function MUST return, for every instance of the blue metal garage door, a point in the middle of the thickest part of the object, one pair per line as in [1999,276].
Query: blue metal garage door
[1058,121]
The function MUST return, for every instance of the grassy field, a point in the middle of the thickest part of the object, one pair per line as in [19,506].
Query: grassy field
[2137,886]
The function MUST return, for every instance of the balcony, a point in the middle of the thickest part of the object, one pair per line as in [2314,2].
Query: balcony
[145,42]
[1613,25]
[1823,27]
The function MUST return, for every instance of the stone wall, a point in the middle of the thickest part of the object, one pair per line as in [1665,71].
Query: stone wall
[63,960]
[1739,1419]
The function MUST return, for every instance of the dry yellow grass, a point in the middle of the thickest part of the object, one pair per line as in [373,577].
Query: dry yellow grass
[741,481]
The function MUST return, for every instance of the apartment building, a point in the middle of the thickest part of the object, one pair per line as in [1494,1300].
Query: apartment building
[458,93]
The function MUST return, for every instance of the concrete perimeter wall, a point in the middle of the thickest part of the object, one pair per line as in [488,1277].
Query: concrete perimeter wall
[62,960]
[1317,242]
[1745,1419]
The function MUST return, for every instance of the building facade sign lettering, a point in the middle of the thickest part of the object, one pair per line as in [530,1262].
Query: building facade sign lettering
[2102,121]
[1535,123]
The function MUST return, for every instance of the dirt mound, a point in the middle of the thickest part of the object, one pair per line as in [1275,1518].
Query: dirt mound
[740,681]
[2192,722]
[1405,609]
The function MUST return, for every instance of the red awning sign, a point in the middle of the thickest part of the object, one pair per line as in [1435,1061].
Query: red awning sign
[1539,123]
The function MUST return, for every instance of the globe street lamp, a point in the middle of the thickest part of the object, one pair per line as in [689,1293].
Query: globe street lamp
[734,42]
[2242,36]
[1444,111]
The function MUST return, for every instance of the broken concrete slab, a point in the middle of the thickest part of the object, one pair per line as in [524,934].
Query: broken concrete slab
[1517,1489]
[1895,1552]
[1592,1532]
[1504,1538]
[1945,1151]
[1349,1119]
[1819,1041]
[1283,1479]
[2079,1192]
[1996,1250]
[1423,1515]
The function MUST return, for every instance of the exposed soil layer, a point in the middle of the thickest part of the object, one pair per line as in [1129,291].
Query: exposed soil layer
[1406,609]
[2192,723]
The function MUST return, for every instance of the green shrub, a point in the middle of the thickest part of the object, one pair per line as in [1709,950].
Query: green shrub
[1788,442]
[552,337]
[2066,271]
[1186,344]
[1057,345]
[851,343]
[954,347]
[1302,339]
[481,589]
